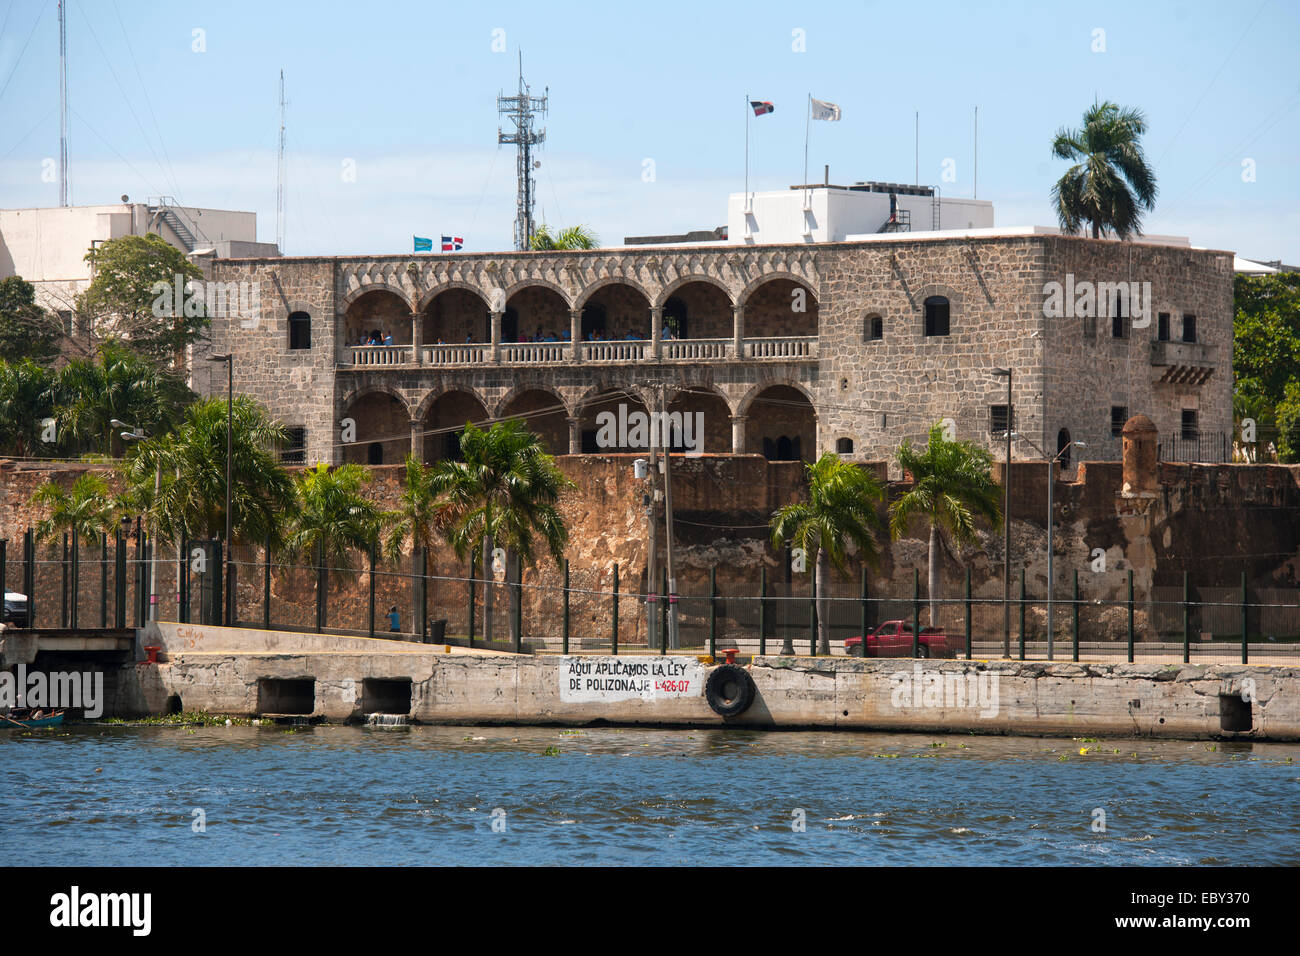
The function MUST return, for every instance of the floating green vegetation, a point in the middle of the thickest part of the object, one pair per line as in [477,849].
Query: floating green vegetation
[551,752]
[191,718]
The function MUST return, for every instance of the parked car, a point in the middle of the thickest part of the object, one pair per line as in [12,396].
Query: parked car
[894,639]
[15,612]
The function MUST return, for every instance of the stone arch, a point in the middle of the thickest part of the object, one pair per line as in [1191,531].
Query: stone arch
[786,429]
[699,307]
[770,307]
[437,290]
[744,406]
[667,291]
[456,314]
[381,427]
[750,287]
[422,407]
[365,289]
[516,287]
[615,309]
[607,397]
[535,405]
[710,414]
[443,416]
[536,307]
[592,288]
[379,309]
[523,387]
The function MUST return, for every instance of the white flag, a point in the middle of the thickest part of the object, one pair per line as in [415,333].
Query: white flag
[825,111]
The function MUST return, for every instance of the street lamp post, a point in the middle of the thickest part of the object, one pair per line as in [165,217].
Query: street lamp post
[1006,525]
[137,434]
[229,359]
[1051,548]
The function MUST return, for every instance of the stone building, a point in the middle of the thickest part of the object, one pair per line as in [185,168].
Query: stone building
[785,350]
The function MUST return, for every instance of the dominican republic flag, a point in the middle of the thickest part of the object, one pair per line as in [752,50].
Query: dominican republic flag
[452,243]
[761,107]
[423,245]
[821,110]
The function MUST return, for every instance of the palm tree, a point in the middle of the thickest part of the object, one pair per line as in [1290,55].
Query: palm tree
[421,513]
[1111,182]
[332,517]
[88,508]
[575,237]
[841,507]
[26,399]
[952,483]
[191,462]
[505,492]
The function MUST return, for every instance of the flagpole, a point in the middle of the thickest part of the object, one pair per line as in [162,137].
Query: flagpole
[746,207]
[807,127]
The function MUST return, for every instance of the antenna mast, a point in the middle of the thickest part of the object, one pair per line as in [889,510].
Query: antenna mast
[63,105]
[521,109]
[279,184]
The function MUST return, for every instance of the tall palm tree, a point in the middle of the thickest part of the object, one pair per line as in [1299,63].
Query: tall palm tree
[26,399]
[952,485]
[841,507]
[333,516]
[421,514]
[574,237]
[191,462]
[1110,183]
[88,508]
[505,492]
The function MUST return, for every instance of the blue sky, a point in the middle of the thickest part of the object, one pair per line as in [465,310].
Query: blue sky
[406,91]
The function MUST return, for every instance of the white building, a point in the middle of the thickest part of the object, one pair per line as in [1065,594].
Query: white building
[47,246]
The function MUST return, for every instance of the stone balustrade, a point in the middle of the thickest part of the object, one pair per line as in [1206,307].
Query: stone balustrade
[622,351]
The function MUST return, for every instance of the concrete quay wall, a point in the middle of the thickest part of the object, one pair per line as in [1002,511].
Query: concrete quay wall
[1001,697]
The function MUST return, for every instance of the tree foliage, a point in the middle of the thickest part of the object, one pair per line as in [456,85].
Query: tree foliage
[26,330]
[1110,184]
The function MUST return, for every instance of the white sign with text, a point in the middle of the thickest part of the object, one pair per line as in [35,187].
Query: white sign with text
[586,680]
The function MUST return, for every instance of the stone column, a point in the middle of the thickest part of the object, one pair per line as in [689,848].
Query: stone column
[496,337]
[738,434]
[417,338]
[417,439]
[738,330]
[657,333]
[575,332]
[575,436]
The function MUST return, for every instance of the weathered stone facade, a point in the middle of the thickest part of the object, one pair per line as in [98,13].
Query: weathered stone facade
[779,350]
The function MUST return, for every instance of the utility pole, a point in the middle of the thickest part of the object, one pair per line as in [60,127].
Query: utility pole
[521,109]
[279,181]
[63,104]
[671,597]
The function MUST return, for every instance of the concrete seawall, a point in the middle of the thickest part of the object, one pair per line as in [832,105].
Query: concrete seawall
[249,672]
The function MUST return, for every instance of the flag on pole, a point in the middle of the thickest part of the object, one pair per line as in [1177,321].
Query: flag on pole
[423,245]
[825,111]
[761,107]
[451,243]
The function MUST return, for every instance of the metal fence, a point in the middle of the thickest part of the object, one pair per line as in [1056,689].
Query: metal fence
[587,610]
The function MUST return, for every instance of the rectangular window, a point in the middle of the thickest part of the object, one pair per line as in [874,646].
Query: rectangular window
[998,420]
[1190,431]
[1162,327]
[295,450]
[1189,328]
[1119,321]
[936,315]
[1118,416]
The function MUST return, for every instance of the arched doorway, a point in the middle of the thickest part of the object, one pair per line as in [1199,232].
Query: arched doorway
[781,425]
[380,428]
[698,310]
[455,317]
[542,413]
[780,308]
[615,312]
[614,421]
[445,420]
[705,421]
[535,313]
[379,317]
[1063,447]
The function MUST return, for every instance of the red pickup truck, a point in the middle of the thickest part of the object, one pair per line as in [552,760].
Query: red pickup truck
[894,639]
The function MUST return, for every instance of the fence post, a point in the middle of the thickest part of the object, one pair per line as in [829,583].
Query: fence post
[863,612]
[4,581]
[216,568]
[916,613]
[812,619]
[372,590]
[1187,618]
[266,584]
[968,614]
[103,579]
[141,570]
[762,611]
[713,611]
[29,575]
[419,594]
[473,552]
[320,585]
[74,617]
[663,614]
[119,582]
[1245,621]
[613,634]
[1022,614]
[566,606]
[63,571]
[517,604]
[1074,630]
[182,581]
[1130,615]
